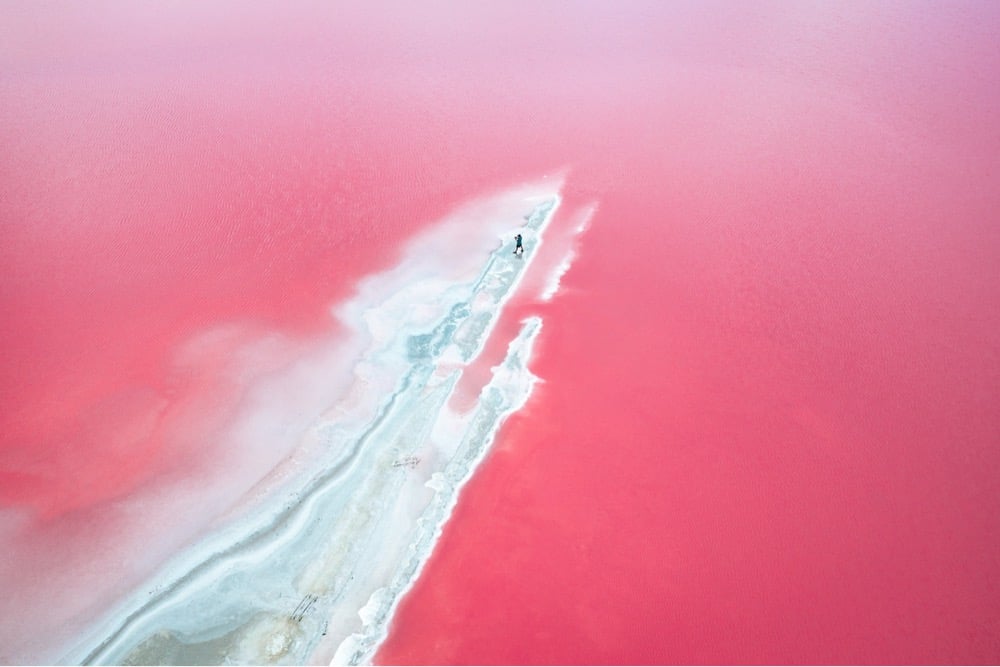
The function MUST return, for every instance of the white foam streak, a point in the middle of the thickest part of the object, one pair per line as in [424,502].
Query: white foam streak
[552,284]
[555,276]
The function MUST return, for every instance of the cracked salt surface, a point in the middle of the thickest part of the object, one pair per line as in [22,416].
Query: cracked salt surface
[313,568]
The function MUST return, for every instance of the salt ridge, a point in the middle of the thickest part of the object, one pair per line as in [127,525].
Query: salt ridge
[511,387]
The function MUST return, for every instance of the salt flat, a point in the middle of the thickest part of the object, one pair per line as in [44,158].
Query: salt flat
[308,567]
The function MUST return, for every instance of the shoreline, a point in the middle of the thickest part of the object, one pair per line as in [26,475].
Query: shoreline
[378,612]
[293,579]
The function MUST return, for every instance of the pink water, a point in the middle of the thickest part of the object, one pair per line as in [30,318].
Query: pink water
[767,430]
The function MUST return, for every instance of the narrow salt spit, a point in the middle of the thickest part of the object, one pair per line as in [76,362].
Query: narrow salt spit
[315,567]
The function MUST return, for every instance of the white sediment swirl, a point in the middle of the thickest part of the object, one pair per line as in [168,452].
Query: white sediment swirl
[312,567]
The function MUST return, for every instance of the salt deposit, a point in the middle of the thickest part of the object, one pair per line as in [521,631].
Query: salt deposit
[310,565]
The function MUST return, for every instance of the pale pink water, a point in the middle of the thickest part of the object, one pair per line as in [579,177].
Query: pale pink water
[767,431]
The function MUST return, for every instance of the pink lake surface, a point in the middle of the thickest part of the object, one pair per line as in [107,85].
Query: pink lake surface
[767,429]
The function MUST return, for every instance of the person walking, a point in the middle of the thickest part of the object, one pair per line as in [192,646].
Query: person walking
[518,248]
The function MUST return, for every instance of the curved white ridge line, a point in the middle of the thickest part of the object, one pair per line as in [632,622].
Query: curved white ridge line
[552,284]
[554,279]
[284,581]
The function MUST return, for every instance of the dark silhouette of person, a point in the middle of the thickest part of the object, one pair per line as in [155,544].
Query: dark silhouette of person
[518,248]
